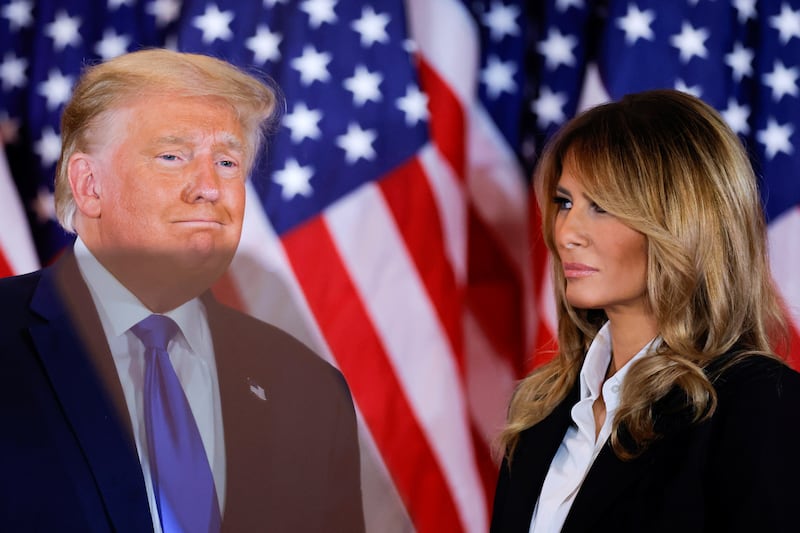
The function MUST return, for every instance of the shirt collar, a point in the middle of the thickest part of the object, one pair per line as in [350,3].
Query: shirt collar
[595,366]
[120,309]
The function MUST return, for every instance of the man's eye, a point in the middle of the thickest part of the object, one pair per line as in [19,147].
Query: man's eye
[169,157]
[228,164]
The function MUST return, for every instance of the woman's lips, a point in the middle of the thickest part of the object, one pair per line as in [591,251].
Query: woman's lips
[578,270]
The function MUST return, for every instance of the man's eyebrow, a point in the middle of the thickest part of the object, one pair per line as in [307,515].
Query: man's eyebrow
[232,141]
[171,139]
[228,139]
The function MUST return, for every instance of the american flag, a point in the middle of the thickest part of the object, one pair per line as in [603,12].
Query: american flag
[742,57]
[388,225]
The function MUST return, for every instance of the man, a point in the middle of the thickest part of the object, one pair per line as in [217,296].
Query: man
[157,146]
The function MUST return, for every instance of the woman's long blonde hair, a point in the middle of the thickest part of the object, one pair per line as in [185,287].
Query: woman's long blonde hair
[667,165]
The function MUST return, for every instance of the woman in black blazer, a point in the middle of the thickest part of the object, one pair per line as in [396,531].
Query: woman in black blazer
[664,408]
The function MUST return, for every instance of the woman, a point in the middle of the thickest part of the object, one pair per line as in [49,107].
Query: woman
[664,408]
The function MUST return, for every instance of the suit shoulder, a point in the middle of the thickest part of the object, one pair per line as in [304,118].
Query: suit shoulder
[253,328]
[756,391]
[18,288]
[756,374]
[281,350]
[16,297]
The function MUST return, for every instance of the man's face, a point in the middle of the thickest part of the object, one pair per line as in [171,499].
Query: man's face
[172,182]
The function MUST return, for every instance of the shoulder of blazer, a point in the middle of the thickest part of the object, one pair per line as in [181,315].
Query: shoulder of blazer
[247,348]
[55,341]
[231,327]
[753,454]
[730,372]
[520,480]
[291,438]
[18,288]
[756,391]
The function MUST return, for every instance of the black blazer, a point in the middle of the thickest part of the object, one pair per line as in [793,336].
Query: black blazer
[737,472]
[67,455]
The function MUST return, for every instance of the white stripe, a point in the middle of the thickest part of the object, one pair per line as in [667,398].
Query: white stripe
[267,285]
[593,91]
[375,255]
[497,186]
[384,511]
[495,181]
[498,191]
[270,292]
[784,257]
[451,202]
[547,298]
[16,242]
[490,382]
[452,46]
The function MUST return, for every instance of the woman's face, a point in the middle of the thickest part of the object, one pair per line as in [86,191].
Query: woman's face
[604,261]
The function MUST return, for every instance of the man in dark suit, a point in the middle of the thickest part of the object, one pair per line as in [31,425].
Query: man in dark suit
[156,148]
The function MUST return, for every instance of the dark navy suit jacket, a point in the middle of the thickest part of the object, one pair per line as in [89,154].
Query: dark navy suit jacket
[67,457]
[737,472]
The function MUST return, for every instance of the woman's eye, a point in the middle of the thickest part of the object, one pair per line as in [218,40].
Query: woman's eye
[562,203]
[597,208]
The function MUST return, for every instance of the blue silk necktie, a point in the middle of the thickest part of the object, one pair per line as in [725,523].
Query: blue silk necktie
[182,480]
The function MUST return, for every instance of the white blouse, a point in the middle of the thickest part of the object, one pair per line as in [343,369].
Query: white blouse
[579,448]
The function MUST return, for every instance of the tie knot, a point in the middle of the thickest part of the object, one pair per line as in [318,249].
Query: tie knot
[156,331]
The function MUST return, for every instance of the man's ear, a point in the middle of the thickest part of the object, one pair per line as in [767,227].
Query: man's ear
[83,179]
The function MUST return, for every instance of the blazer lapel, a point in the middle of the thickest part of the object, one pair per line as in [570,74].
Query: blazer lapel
[607,479]
[246,415]
[76,357]
[531,461]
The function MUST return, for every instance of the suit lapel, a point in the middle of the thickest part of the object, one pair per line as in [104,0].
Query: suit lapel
[601,490]
[246,419]
[77,360]
[531,461]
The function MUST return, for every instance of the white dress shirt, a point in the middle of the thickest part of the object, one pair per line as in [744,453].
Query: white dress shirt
[191,353]
[579,448]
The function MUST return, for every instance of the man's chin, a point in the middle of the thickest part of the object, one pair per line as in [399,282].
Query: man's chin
[195,257]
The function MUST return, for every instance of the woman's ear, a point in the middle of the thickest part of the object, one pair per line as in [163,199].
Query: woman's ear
[85,185]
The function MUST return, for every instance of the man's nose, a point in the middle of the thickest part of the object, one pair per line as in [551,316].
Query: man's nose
[204,182]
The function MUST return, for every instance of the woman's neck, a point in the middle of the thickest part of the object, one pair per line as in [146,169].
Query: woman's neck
[629,334]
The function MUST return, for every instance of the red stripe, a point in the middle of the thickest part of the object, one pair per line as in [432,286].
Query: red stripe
[447,122]
[493,286]
[546,344]
[793,355]
[410,199]
[487,467]
[361,356]
[226,291]
[494,293]
[5,267]
[545,347]
[539,250]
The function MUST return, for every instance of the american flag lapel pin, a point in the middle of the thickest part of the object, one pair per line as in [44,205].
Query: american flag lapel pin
[257,390]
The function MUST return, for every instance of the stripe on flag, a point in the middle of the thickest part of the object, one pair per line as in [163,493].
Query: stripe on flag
[17,253]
